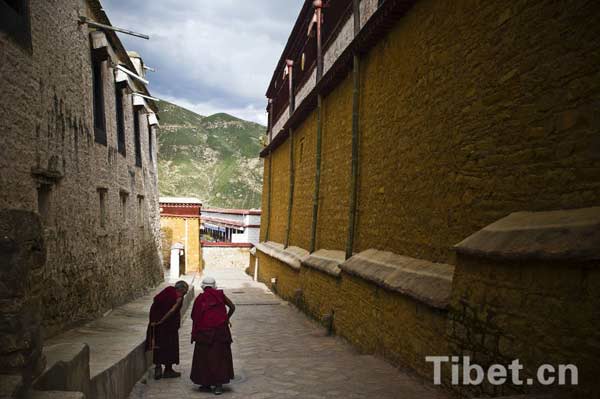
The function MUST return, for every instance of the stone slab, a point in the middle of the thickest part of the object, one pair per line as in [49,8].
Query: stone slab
[326,261]
[427,282]
[67,368]
[291,256]
[553,235]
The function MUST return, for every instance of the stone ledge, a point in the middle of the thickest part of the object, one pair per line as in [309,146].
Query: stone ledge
[111,347]
[67,368]
[427,282]
[552,235]
[326,261]
[291,256]
[56,395]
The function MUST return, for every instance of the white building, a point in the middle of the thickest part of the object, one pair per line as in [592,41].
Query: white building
[236,226]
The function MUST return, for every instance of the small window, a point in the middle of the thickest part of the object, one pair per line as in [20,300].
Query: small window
[44,192]
[102,194]
[14,20]
[136,134]
[124,197]
[150,142]
[141,210]
[120,120]
[98,93]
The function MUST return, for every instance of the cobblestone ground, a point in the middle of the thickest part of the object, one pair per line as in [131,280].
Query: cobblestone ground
[279,353]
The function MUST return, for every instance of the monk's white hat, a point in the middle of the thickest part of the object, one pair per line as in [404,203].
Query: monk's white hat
[209,282]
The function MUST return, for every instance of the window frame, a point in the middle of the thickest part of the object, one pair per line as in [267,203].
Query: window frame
[150,142]
[120,118]
[137,137]
[17,23]
[98,58]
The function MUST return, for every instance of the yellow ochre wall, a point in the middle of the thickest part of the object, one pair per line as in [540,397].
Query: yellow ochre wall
[173,230]
[280,181]
[304,162]
[460,125]
[469,111]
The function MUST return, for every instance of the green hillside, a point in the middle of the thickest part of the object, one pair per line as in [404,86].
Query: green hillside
[214,158]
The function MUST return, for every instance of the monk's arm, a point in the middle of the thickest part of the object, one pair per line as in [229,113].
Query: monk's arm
[171,311]
[231,307]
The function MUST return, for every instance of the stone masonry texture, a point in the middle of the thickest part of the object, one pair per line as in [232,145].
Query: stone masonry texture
[94,262]
[22,257]
[304,165]
[224,257]
[469,111]
[472,110]
[538,312]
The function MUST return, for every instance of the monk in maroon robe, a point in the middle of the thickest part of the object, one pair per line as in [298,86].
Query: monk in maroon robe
[162,337]
[212,364]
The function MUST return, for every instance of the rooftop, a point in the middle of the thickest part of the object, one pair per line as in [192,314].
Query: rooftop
[179,200]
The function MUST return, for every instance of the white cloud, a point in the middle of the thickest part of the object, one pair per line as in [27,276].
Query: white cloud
[215,56]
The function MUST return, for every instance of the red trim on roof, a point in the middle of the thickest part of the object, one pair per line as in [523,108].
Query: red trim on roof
[172,215]
[233,223]
[233,211]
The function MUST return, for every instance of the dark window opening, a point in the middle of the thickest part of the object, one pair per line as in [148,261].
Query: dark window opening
[124,197]
[103,213]
[141,210]
[150,143]
[98,92]
[136,134]
[14,20]
[44,192]
[121,147]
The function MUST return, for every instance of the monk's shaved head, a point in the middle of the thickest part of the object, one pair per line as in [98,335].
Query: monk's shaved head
[181,286]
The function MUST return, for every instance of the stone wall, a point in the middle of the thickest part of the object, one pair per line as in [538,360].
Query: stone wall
[471,113]
[173,230]
[224,257]
[468,113]
[99,210]
[22,259]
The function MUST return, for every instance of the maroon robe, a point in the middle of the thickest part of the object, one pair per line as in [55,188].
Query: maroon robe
[166,334]
[212,363]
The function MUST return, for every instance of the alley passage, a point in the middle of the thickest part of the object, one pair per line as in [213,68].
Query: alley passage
[279,353]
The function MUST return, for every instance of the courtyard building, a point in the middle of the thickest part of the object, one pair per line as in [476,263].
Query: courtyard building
[180,232]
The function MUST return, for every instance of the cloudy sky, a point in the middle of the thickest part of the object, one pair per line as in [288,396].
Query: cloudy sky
[210,55]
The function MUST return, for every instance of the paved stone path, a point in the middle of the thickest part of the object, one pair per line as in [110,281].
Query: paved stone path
[279,353]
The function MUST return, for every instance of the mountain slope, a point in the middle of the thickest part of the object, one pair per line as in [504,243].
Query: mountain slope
[214,158]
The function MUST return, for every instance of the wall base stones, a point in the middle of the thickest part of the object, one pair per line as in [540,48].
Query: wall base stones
[527,287]
[376,319]
[22,258]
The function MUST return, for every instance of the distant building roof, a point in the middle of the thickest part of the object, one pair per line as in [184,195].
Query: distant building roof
[179,200]
[232,211]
